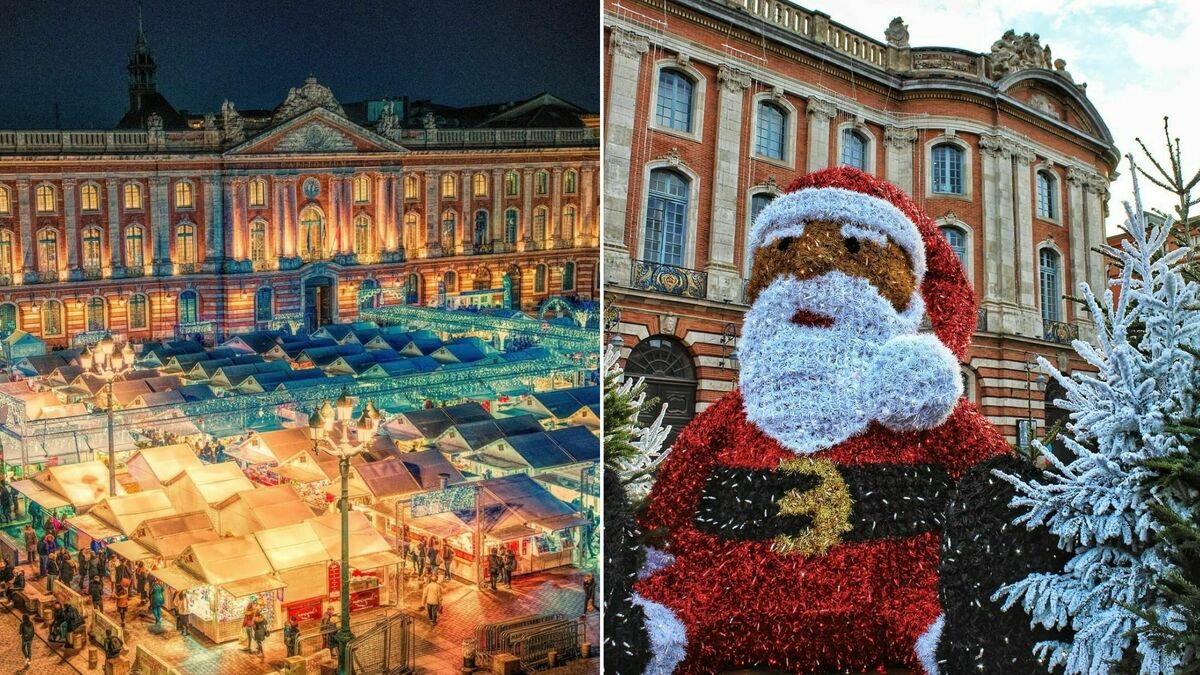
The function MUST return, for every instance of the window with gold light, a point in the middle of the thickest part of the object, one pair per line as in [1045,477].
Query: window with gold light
[362,189]
[46,199]
[185,244]
[568,224]
[258,243]
[364,237]
[449,186]
[137,312]
[256,193]
[6,252]
[312,233]
[89,197]
[412,187]
[97,313]
[5,201]
[570,182]
[412,224]
[512,184]
[48,250]
[480,185]
[132,196]
[184,195]
[134,251]
[52,323]
[541,182]
[92,253]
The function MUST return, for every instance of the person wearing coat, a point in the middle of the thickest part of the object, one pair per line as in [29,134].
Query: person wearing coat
[510,564]
[432,597]
[421,551]
[447,557]
[494,566]
[432,555]
[27,639]
[157,600]
[181,614]
[248,624]
[122,597]
[291,636]
[328,629]
[96,590]
[51,572]
[260,629]
[18,585]
[31,542]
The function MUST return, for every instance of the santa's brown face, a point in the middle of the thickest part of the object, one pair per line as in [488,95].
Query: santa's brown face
[821,249]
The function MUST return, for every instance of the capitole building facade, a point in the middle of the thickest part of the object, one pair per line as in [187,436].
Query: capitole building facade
[712,108]
[176,223]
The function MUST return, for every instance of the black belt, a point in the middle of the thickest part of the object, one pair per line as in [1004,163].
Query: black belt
[810,504]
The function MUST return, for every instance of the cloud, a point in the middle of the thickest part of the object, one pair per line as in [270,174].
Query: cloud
[1136,57]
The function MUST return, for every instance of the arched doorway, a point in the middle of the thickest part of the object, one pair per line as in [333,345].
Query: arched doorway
[670,377]
[319,307]
[412,289]
[514,275]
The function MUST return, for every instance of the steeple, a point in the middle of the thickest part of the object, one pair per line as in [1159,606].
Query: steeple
[141,67]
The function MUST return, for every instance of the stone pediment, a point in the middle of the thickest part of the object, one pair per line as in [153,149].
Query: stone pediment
[316,131]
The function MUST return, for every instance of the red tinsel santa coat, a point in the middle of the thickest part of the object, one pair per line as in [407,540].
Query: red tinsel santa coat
[742,603]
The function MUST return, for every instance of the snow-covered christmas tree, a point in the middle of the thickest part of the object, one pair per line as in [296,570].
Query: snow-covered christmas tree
[1099,504]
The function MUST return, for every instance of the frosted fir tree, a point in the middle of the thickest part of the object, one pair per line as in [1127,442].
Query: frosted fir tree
[631,449]
[1098,504]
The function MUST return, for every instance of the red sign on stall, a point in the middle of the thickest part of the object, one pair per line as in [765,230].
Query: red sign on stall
[335,578]
[364,599]
[305,610]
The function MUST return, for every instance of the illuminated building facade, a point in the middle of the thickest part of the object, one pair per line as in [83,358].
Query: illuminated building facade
[176,223]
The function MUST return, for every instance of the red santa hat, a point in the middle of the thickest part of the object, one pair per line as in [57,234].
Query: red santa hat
[872,208]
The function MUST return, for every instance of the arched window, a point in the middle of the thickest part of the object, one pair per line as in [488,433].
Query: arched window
[482,279]
[189,307]
[412,224]
[132,194]
[412,187]
[46,199]
[958,242]
[510,226]
[449,225]
[263,304]
[758,202]
[539,224]
[666,218]
[5,201]
[568,277]
[539,279]
[854,149]
[772,131]
[449,186]
[97,313]
[674,109]
[52,323]
[481,227]
[479,185]
[134,251]
[137,312]
[1051,286]
[6,252]
[670,377]
[8,318]
[256,193]
[258,243]
[512,184]
[364,237]
[450,281]
[541,183]
[362,189]
[1047,204]
[412,289]
[89,198]
[92,250]
[947,169]
[184,195]
[185,244]
[568,224]
[570,182]
[48,250]
[312,233]
[368,301]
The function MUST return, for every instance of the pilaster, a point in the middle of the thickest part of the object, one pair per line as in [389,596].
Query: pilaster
[1023,206]
[433,226]
[899,145]
[116,240]
[1077,185]
[74,273]
[724,282]
[525,225]
[496,219]
[161,226]
[556,239]
[25,205]
[820,115]
[625,62]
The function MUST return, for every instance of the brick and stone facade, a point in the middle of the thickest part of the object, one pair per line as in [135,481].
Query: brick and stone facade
[1036,159]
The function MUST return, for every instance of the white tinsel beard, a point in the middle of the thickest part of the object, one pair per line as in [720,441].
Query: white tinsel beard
[810,388]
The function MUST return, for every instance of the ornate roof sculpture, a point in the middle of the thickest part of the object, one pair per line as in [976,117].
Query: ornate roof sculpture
[307,96]
[1013,53]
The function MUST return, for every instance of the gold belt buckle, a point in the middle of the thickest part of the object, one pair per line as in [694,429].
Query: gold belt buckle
[828,504]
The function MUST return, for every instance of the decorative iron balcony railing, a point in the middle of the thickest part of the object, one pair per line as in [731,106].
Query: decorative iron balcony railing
[1059,331]
[669,279]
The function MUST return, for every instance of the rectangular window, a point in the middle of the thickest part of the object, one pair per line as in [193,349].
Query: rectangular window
[137,311]
[947,170]
[674,105]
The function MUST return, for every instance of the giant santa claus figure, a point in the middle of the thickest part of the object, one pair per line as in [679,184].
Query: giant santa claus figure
[802,513]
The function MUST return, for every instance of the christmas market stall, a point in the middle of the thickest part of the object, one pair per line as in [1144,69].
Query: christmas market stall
[374,567]
[259,509]
[153,468]
[218,579]
[115,518]
[262,451]
[302,562]
[416,428]
[65,490]
[471,437]
[560,408]
[159,541]
[206,488]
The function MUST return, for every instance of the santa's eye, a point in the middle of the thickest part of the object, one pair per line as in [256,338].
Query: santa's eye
[851,244]
[785,243]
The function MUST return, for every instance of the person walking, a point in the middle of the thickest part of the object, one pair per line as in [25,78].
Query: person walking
[43,551]
[27,639]
[260,629]
[412,555]
[96,591]
[122,597]
[432,597]
[432,555]
[248,624]
[66,570]
[51,573]
[31,542]
[181,614]
[291,636]
[328,628]
[510,564]
[142,578]
[421,550]
[494,564]
[589,593]
[157,600]
[447,557]
[112,646]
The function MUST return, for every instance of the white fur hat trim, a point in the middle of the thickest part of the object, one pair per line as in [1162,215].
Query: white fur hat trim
[860,214]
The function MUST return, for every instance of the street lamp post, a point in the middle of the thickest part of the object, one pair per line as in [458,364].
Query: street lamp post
[109,364]
[352,439]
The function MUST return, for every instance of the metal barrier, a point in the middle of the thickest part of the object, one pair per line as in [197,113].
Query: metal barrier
[146,662]
[313,640]
[386,649]
[533,645]
[489,637]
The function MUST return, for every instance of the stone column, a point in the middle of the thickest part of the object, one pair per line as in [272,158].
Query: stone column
[625,49]
[899,142]
[230,216]
[278,226]
[525,224]
[724,282]
[496,220]
[1096,195]
[820,113]
[466,224]
[379,219]
[292,236]
[161,226]
[348,215]
[433,212]
[334,226]
[74,273]
[214,252]
[1023,206]
[25,205]
[555,234]
[394,213]
[116,241]
[1077,184]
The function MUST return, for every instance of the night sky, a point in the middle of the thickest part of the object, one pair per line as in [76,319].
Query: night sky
[458,52]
